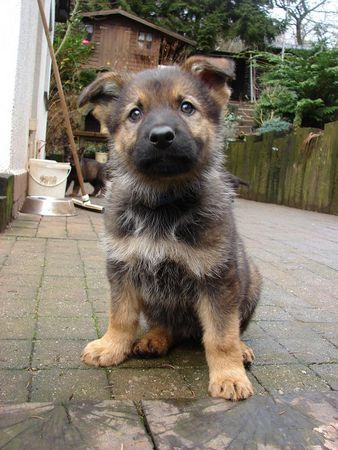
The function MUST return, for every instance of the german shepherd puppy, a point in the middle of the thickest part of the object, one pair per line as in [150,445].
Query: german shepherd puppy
[173,251]
[93,172]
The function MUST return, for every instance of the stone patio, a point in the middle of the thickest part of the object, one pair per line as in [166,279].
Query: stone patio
[54,298]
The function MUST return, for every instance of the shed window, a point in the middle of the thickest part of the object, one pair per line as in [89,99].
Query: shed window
[145,40]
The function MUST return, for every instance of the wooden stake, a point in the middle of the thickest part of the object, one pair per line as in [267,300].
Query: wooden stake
[63,102]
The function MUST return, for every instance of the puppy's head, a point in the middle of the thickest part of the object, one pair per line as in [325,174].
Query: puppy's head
[163,122]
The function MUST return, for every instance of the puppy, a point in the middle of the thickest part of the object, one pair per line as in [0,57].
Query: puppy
[93,172]
[173,251]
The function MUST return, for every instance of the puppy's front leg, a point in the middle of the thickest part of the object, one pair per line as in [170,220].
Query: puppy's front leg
[115,345]
[221,338]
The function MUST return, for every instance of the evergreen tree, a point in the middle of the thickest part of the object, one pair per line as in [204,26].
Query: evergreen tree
[205,20]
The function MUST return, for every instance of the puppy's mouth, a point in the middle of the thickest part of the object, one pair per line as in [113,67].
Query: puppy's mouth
[164,153]
[163,163]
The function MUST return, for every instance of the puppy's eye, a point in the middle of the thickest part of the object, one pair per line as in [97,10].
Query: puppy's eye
[187,108]
[135,115]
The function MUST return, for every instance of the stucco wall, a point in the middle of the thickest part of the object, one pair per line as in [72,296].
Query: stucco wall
[24,79]
[9,36]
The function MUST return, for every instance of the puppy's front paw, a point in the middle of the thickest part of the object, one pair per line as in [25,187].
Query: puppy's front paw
[103,353]
[231,386]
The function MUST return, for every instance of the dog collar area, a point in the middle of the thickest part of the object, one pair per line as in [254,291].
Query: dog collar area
[163,200]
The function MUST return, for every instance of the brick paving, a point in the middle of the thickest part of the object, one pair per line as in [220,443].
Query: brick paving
[54,298]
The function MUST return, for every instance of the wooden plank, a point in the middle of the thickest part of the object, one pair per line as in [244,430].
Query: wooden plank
[331,137]
[93,134]
[289,175]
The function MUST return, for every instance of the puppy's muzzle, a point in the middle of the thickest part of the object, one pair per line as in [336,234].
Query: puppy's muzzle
[162,136]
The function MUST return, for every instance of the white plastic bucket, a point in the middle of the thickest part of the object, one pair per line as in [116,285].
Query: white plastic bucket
[101,157]
[47,178]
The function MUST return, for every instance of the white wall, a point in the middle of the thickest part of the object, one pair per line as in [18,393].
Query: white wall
[9,36]
[24,78]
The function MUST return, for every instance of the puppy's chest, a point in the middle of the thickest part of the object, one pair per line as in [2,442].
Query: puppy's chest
[161,237]
[166,283]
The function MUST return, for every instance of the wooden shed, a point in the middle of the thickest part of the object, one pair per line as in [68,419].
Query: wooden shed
[126,42]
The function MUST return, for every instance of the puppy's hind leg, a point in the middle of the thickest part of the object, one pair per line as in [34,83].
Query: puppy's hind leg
[247,354]
[156,342]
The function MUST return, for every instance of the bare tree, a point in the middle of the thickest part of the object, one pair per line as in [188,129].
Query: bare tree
[298,15]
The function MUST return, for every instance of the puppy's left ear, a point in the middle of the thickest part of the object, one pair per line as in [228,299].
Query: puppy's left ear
[215,73]
[101,96]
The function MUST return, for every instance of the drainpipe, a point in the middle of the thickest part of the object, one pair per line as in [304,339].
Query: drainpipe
[252,87]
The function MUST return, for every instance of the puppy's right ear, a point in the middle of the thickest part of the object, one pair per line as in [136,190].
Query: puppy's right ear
[101,94]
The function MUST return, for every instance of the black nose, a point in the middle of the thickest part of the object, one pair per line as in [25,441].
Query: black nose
[162,136]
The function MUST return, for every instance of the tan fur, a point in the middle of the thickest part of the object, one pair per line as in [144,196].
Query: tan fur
[247,354]
[156,342]
[200,66]
[224,356]
[115,345]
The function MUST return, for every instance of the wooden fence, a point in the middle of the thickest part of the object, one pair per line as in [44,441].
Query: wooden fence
[289,170]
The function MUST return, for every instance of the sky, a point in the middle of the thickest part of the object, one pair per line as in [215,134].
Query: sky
[327,16]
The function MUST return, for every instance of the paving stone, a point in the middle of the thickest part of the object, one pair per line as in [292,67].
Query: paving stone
[148,384]
[18,223]
[13,385]
[18,302]
[15,354]
[188,354]
[328,331]
[63,269]
[271,313]
[61,248]
[255,330]
[311,351]
[100,299]
[45,231]
[132,362]
[260,422]
[286,330]
[18,327]
[58,353]
[316,315]
[12,269]
[66,328]
[329,373]
[21,231]
[65,384]
[288,378]
[94,282]
[29,217]
[268,351]
[13,282]
[59,306]
[56,283]
[274,295]
[100,425]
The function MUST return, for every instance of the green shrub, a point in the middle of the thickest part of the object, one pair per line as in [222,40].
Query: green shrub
[301,88]
[276,124]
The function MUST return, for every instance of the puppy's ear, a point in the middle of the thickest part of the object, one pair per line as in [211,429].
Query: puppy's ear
[100,95]
[214,72]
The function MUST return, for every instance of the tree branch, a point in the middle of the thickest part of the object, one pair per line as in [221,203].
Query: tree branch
[69,26]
